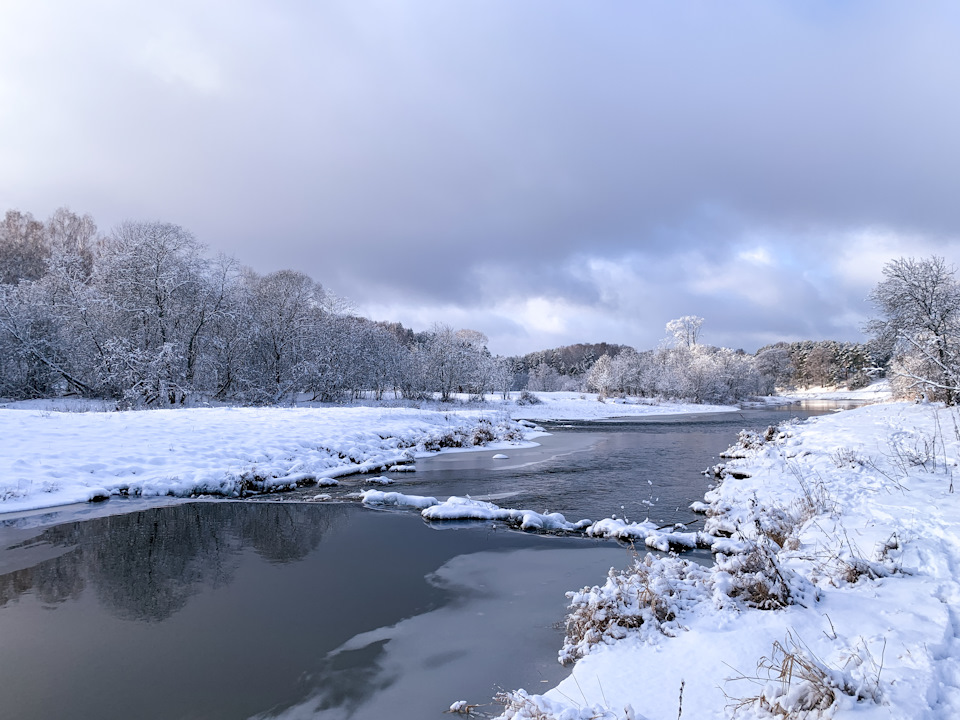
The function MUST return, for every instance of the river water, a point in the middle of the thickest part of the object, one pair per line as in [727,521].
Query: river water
[280,608]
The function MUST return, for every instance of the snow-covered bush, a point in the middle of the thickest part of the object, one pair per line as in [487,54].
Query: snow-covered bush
[798,684]
[757,578]
[749,441]
[482,433]
[647,596]
[777,525]
[528,398]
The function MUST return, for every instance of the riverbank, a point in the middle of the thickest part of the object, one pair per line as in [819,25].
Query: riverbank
[58,458]
[58,452]
[836,594]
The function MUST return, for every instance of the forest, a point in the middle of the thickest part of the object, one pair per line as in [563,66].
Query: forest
[144,315]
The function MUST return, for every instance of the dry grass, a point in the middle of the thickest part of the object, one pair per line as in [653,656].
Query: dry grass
[846,457]
[647,595]
[518,705]
[804,686]
[777,525]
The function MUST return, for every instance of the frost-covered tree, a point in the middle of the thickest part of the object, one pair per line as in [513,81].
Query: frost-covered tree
[381,356]
[775,369]
[443,358]
[919,302]
[455,361]
[601,378]
[544,378]
[73,235]
[286,309]
[683,368]
[626,370]
[33,362]
[50,318]
[24,248]
[501,376]
[685,330]
[153,275]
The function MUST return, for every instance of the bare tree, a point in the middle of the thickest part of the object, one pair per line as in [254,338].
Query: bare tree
[601,378]
[154,274]
[920,305]
[24,248]
[685,330]
[286,307]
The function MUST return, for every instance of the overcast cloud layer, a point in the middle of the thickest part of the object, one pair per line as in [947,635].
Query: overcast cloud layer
[545,171]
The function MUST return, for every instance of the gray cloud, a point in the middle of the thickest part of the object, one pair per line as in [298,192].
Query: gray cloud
[446,159]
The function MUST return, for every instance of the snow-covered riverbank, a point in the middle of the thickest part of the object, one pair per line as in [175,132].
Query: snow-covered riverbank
[56,452]
[837,592]
[55,458]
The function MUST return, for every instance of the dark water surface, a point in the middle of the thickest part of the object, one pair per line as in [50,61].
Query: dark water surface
[289,609]
[638,469]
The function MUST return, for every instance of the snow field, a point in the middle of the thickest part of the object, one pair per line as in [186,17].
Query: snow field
[836,595]
[586,406]
[56,458]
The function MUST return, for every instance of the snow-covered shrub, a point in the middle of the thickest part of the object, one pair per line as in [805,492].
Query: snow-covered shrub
[520,705]
[482,433]
[853,569]
[849,566]
[749,441]
[913,450]
[647,595]
[776,525]
[845,457]
[528,398]
[798,684]
[757,578]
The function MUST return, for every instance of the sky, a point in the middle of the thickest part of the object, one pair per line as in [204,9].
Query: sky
[544,171]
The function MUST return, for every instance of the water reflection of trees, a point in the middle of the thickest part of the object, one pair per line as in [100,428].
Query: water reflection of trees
[147,565]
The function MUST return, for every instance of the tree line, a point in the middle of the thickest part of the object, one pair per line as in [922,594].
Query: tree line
[142,315]
[685,368]
[145,316]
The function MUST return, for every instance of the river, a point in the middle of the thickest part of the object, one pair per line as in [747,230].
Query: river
[282,608]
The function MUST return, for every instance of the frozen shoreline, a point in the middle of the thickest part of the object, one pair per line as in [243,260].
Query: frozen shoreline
[60,452]
[59,458]
[848,522]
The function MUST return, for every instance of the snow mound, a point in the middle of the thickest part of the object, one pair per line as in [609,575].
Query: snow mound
[395,499]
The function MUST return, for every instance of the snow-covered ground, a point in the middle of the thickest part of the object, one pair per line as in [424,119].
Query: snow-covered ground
[61,451]
[878,391]
[837,594]
[587,406]
[53,458]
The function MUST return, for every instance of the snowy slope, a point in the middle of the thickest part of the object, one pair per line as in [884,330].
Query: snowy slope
[847,528]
